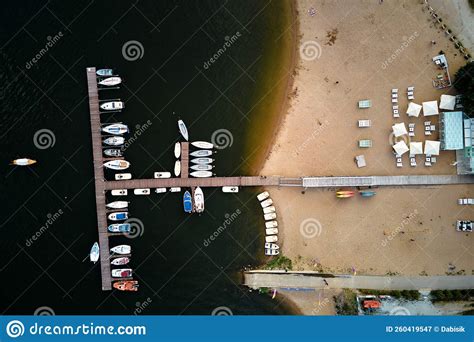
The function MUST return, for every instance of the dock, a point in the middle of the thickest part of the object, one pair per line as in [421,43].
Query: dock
[184,159]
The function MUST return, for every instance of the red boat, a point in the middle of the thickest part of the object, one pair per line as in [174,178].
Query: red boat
[128,285]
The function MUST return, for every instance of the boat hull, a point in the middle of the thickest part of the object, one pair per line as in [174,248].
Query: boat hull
[187,202]
[203,144]
[201,174]
[177,150]
[117,205]
[201,153]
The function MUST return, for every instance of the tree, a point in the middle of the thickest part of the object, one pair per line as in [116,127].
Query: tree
[464,84]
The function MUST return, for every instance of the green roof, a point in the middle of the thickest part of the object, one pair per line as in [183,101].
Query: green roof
[452,131]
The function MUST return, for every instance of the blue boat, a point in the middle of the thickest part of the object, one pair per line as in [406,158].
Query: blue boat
[187,202]
[119,228]
[104,72]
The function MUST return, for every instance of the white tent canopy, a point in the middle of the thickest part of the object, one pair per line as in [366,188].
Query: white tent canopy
[432,147]
[400,147]
[416,148]
[414,109]
[430,108]
[447,102]
[399,129]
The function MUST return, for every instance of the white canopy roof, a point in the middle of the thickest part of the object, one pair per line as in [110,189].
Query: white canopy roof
[430,108]
[432,147]
[399,129]
[447,102]
[416,148]
[400,147]
[414,109]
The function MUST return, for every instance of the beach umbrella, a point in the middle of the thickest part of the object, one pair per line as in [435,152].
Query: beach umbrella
[399,129]
[447,102]
[416,148]
[430,108]
[400,147]
[432,147]
[414,109]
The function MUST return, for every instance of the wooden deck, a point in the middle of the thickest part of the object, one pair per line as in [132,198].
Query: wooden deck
[184,159]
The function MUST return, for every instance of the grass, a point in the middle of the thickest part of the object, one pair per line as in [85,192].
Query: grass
[279,263]
[346,303]
[405,294]
[451,295]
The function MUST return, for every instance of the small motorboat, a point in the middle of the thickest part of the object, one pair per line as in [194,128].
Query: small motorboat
[162,175]
[112,105]
[263,196]
[119,192]
[110,81]
[271,224]
[202,160]
[201,174]
[122,273]
[344,194]
[121,249]
[183,130]
[177,150]
[198,200]
[367,193]
[95,252]
[201,153]
[269,217]
[117,128]
[113,152]
[160,190]
[23,162]
[266,203]
[177,168]
[203,144]
[272,252]
[117,164]
[119,228]
[269,210]
[118,216]
[128,285]
[123,176]
[120,261]
[117,205]
[271,238]
[141,191]
[104,72]
[202,167]
[187,202]
[271,246]
[271,231]
[114,141]
[229,189]
[175,189]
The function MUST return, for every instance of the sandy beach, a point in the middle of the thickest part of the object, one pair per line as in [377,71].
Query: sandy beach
[361,50]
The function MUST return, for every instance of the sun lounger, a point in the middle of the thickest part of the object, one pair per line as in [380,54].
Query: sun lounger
[412,161]
[365,143]
[365,123]
[396,115]
[365,104]
[411,88]
[360,160]
[432,128]
[427,123]
[394,90]
[394,95]
[428,161]
[433,159]
[395,107]
[411,97]
[394,100]
[427,132]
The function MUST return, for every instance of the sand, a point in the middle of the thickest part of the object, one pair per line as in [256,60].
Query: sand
[401,230]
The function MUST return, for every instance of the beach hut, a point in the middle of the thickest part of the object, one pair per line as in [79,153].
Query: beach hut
[399,129]
[416,148]
[430,108]
[400,148]
[432,148]
[447,102]
[414,109]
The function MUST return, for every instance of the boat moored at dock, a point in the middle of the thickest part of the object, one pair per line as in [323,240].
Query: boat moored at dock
[120,261]
[117,164]
[129,285]
[269,210]
[201,174]
[112,105]
[201,153]
[122,273]
[271,231]
[177,150]
[121,249]
[119,192]
[110,81]
[271,224]
[266,203]
[272,252]
[177,168]
[117,128]
[229,189]
[198,200]
[270,216]
[117,205]
[201,167]
[183,129]
[269,245]
[118,216]
[203,145]
[160,190]
[123,176]
[164,174]
[114,141]
[175,189]
[113,152]
[119,228]
[262,196]
[141,191]
[271,238]
[202,160]
[187,202]
[104,72]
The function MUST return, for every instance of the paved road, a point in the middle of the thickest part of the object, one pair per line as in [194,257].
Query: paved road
[301,280]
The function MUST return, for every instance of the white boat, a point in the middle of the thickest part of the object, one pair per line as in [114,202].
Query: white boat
[271,224]
[141,191]
[266,203]
[95,252]
[271,231]
[177,150]
[121,249]
[270,216]
[112,105]
[123,176]
[122,273]
[110,81]
[202,144]
[120,261]
[117,128]
[120,192]
[272,252]
[198,200]
[183,130]
[177,168]
[113,152]
[230,189]
[269,245]
[118,216]
[202,167]
[201,153]
[202,160]
[23,162]
[162,174]
[264,195]
[271,238]
[117,205]
[114,141]
[201,174]
[104,72]
[175,189]
[269,210]
[160,190]
[117,164]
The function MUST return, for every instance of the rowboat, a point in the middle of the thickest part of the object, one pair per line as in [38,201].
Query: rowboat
[160,190]
[119,228]
[344,194]
[120,261]
[201,153]
[112,105]
[104,72]
[95,252]
[113,152]
[177,150]
[117,205]
[202,167]
[177,168]
[121,249]
[198,200]
[266,203]
[175,189]
[117,164]
[123,176]
[23,162]
[201,174]
[162,174]
[202,144]
[119,192]
[187,202]
[271,238]
[271,224]
[262,196]
[128,285]
[114,141]
[229,189]
[183,130]
[117,128]
[270,216]
[271,246]
[110,81]
[118,216]
[202,160]
[271,231]
[272,252]
[141,191]
[122,273]
[269,210]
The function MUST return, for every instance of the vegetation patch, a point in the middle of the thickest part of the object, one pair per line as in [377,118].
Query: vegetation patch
[346,303]
[279,263]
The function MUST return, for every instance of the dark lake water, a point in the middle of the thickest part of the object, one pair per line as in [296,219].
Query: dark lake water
[46,90]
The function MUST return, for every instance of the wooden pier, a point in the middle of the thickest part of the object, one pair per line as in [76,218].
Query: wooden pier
[184,159]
